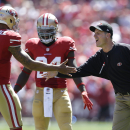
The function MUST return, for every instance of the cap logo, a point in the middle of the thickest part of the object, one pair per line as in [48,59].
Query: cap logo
[100,23]
[107,29]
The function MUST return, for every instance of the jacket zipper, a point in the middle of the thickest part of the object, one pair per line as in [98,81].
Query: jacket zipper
[102,68]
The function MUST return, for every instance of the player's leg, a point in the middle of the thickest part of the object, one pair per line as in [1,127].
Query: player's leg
[10,107]
[62,109]
[41,122]
[121,117]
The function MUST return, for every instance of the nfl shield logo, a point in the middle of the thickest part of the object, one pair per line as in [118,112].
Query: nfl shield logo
[47,49]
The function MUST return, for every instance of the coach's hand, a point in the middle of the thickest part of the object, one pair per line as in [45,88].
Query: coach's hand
[86,101]
[64,69]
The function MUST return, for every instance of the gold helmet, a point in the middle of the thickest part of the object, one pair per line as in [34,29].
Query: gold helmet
[9,16]
[47,27]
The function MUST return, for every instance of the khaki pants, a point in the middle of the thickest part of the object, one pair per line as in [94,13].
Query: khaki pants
[121,119]
[61,108]
[10,106]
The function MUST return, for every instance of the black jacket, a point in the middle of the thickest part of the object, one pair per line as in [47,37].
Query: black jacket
[116,68]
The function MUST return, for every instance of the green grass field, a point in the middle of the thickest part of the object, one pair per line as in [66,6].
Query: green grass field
[80,125]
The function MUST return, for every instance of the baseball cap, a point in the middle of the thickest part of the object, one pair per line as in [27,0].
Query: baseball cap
[102,26]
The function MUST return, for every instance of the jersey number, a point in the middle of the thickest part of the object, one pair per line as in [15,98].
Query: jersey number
[56,61]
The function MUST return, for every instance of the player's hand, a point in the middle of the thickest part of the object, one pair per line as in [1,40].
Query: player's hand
[86,101]
[64,69]
[49,74]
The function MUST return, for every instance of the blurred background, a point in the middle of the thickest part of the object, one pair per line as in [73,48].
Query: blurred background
[75,17]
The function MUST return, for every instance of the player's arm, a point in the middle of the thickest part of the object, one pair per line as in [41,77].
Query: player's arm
[30,64]
[72,62]
[79,82]
[22,79]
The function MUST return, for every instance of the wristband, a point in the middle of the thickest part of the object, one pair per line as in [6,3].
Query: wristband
[15,91]
[19,85]
[71,57]
[80,84]
[26,72]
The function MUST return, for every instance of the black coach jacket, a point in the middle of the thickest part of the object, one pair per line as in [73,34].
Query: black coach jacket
[114,66]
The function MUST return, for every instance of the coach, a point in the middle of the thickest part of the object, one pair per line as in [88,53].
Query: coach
[112,62]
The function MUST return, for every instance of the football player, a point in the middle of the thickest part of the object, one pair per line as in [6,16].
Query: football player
[51,95]
[10,42]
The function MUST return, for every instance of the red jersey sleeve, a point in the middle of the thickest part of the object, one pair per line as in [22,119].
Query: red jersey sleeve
[70,45]
[14,38]
[29,47]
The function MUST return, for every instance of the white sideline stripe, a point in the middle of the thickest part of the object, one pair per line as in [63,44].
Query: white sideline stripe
[15,40]
[12,107]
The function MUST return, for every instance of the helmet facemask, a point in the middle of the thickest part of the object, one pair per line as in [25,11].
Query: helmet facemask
[46,34]
[15,27]
[47,27]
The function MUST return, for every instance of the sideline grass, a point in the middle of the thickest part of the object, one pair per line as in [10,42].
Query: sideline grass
[80,125]
[86,126]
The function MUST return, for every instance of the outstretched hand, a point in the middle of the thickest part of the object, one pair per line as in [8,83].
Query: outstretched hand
[86,101]
[49,74]
[64,69]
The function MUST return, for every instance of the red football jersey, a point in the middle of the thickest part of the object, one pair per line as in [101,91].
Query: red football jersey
[8,38]
[56,53]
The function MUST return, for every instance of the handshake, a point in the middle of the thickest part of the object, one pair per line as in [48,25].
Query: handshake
[51,74]
[62,68]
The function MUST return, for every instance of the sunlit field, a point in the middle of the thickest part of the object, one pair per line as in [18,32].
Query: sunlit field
[80,125]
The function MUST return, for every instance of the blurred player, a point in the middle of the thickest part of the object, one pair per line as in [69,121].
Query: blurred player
[51,95]
[10,42]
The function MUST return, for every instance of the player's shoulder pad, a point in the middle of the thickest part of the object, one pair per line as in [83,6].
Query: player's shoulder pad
[67,39]
[12,33]
[32,42]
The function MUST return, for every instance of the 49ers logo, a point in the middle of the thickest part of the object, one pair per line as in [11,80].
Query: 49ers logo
[100,24]
[13,13]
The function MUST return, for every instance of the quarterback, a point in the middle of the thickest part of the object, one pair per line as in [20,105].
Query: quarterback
[10,44]
[51,96]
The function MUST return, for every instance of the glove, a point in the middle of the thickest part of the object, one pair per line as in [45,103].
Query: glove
[86,100]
